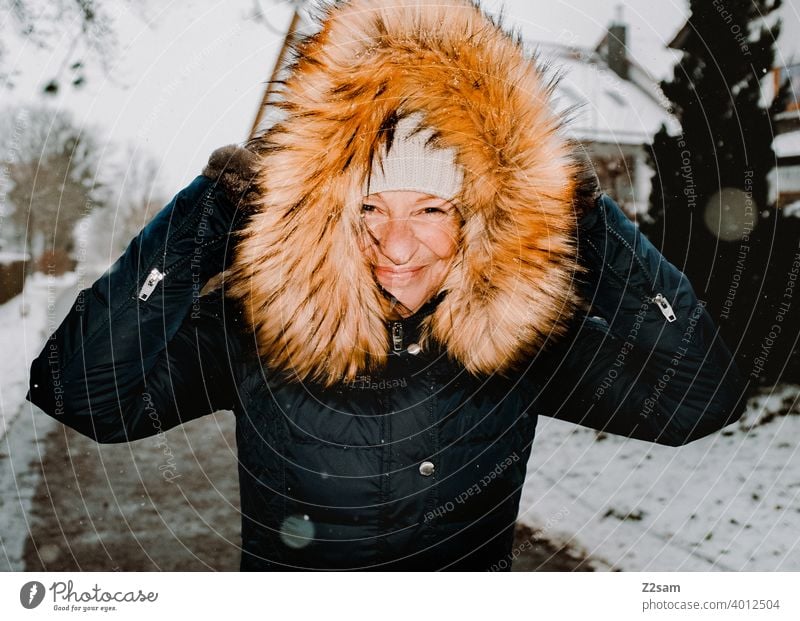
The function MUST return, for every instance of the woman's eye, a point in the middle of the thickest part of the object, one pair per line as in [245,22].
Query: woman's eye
[367,208]
[433,210]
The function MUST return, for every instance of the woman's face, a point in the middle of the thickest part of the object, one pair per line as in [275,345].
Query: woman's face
[410,242]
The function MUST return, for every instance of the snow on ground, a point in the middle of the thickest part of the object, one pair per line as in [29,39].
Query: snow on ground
[730,501]
[25,322]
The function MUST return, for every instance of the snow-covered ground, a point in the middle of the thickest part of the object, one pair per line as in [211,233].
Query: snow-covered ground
[730,501]
[25,322]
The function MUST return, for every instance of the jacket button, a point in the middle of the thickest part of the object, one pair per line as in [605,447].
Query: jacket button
[414,349]
[426,468]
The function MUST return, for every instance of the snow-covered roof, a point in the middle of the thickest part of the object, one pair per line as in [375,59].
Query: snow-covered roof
[12,256]
[788,44]
[787,145]
[792,209]
[609,109]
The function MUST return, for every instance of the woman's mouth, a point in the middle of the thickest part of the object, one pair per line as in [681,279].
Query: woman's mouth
[394,274]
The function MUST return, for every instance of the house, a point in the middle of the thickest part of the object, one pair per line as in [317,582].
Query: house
[785,179]
[618,108]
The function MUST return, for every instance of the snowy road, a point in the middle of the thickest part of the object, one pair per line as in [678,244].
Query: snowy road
[111,507]
[25,322]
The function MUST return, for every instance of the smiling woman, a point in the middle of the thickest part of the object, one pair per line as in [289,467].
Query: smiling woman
[415,264]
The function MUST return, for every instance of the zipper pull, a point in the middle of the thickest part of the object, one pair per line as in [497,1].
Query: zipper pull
[664,307]
[153,278]
[397,336]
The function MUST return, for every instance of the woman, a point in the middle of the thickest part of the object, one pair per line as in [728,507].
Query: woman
[418,266]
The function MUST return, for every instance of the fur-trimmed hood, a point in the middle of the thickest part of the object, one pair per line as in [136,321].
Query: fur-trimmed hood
[307,291]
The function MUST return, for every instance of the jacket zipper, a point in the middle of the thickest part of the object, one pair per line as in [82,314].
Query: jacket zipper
[397,336]
[150,283]
[664,306]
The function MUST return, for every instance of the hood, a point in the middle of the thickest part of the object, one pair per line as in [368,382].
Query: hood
[307,292]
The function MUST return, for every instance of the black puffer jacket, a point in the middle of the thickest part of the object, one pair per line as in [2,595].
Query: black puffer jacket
[417,462]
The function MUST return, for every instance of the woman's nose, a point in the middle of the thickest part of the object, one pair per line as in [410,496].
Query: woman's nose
[397,241]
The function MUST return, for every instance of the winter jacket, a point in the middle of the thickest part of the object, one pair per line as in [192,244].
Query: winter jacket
[366,442]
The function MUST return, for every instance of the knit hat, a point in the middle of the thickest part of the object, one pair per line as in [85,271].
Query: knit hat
[413,164]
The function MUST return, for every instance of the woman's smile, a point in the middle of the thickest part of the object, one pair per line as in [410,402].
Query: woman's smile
[387,276]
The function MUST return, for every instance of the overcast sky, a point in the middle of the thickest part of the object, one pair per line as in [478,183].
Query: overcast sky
[187,76]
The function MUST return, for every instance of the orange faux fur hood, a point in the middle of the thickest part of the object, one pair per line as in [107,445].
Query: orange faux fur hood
[307,292]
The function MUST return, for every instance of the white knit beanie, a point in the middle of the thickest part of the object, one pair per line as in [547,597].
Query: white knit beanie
[414,165]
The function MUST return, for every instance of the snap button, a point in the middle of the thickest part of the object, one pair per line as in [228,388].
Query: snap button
[414,349]
[426,468]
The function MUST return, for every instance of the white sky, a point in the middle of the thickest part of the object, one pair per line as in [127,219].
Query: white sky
[189,78]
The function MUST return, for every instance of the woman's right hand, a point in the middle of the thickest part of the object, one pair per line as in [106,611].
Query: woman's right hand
[233,169]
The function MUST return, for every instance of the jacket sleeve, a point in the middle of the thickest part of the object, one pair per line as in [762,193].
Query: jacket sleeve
[647,361]
[140,351]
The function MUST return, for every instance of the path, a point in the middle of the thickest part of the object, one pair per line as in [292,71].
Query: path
[109,507]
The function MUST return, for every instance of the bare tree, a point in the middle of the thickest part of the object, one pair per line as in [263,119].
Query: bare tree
[132,202]
[53,179]
[42,21]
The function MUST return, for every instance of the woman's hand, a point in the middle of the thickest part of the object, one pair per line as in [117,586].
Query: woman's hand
[233,170]
[587,190]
